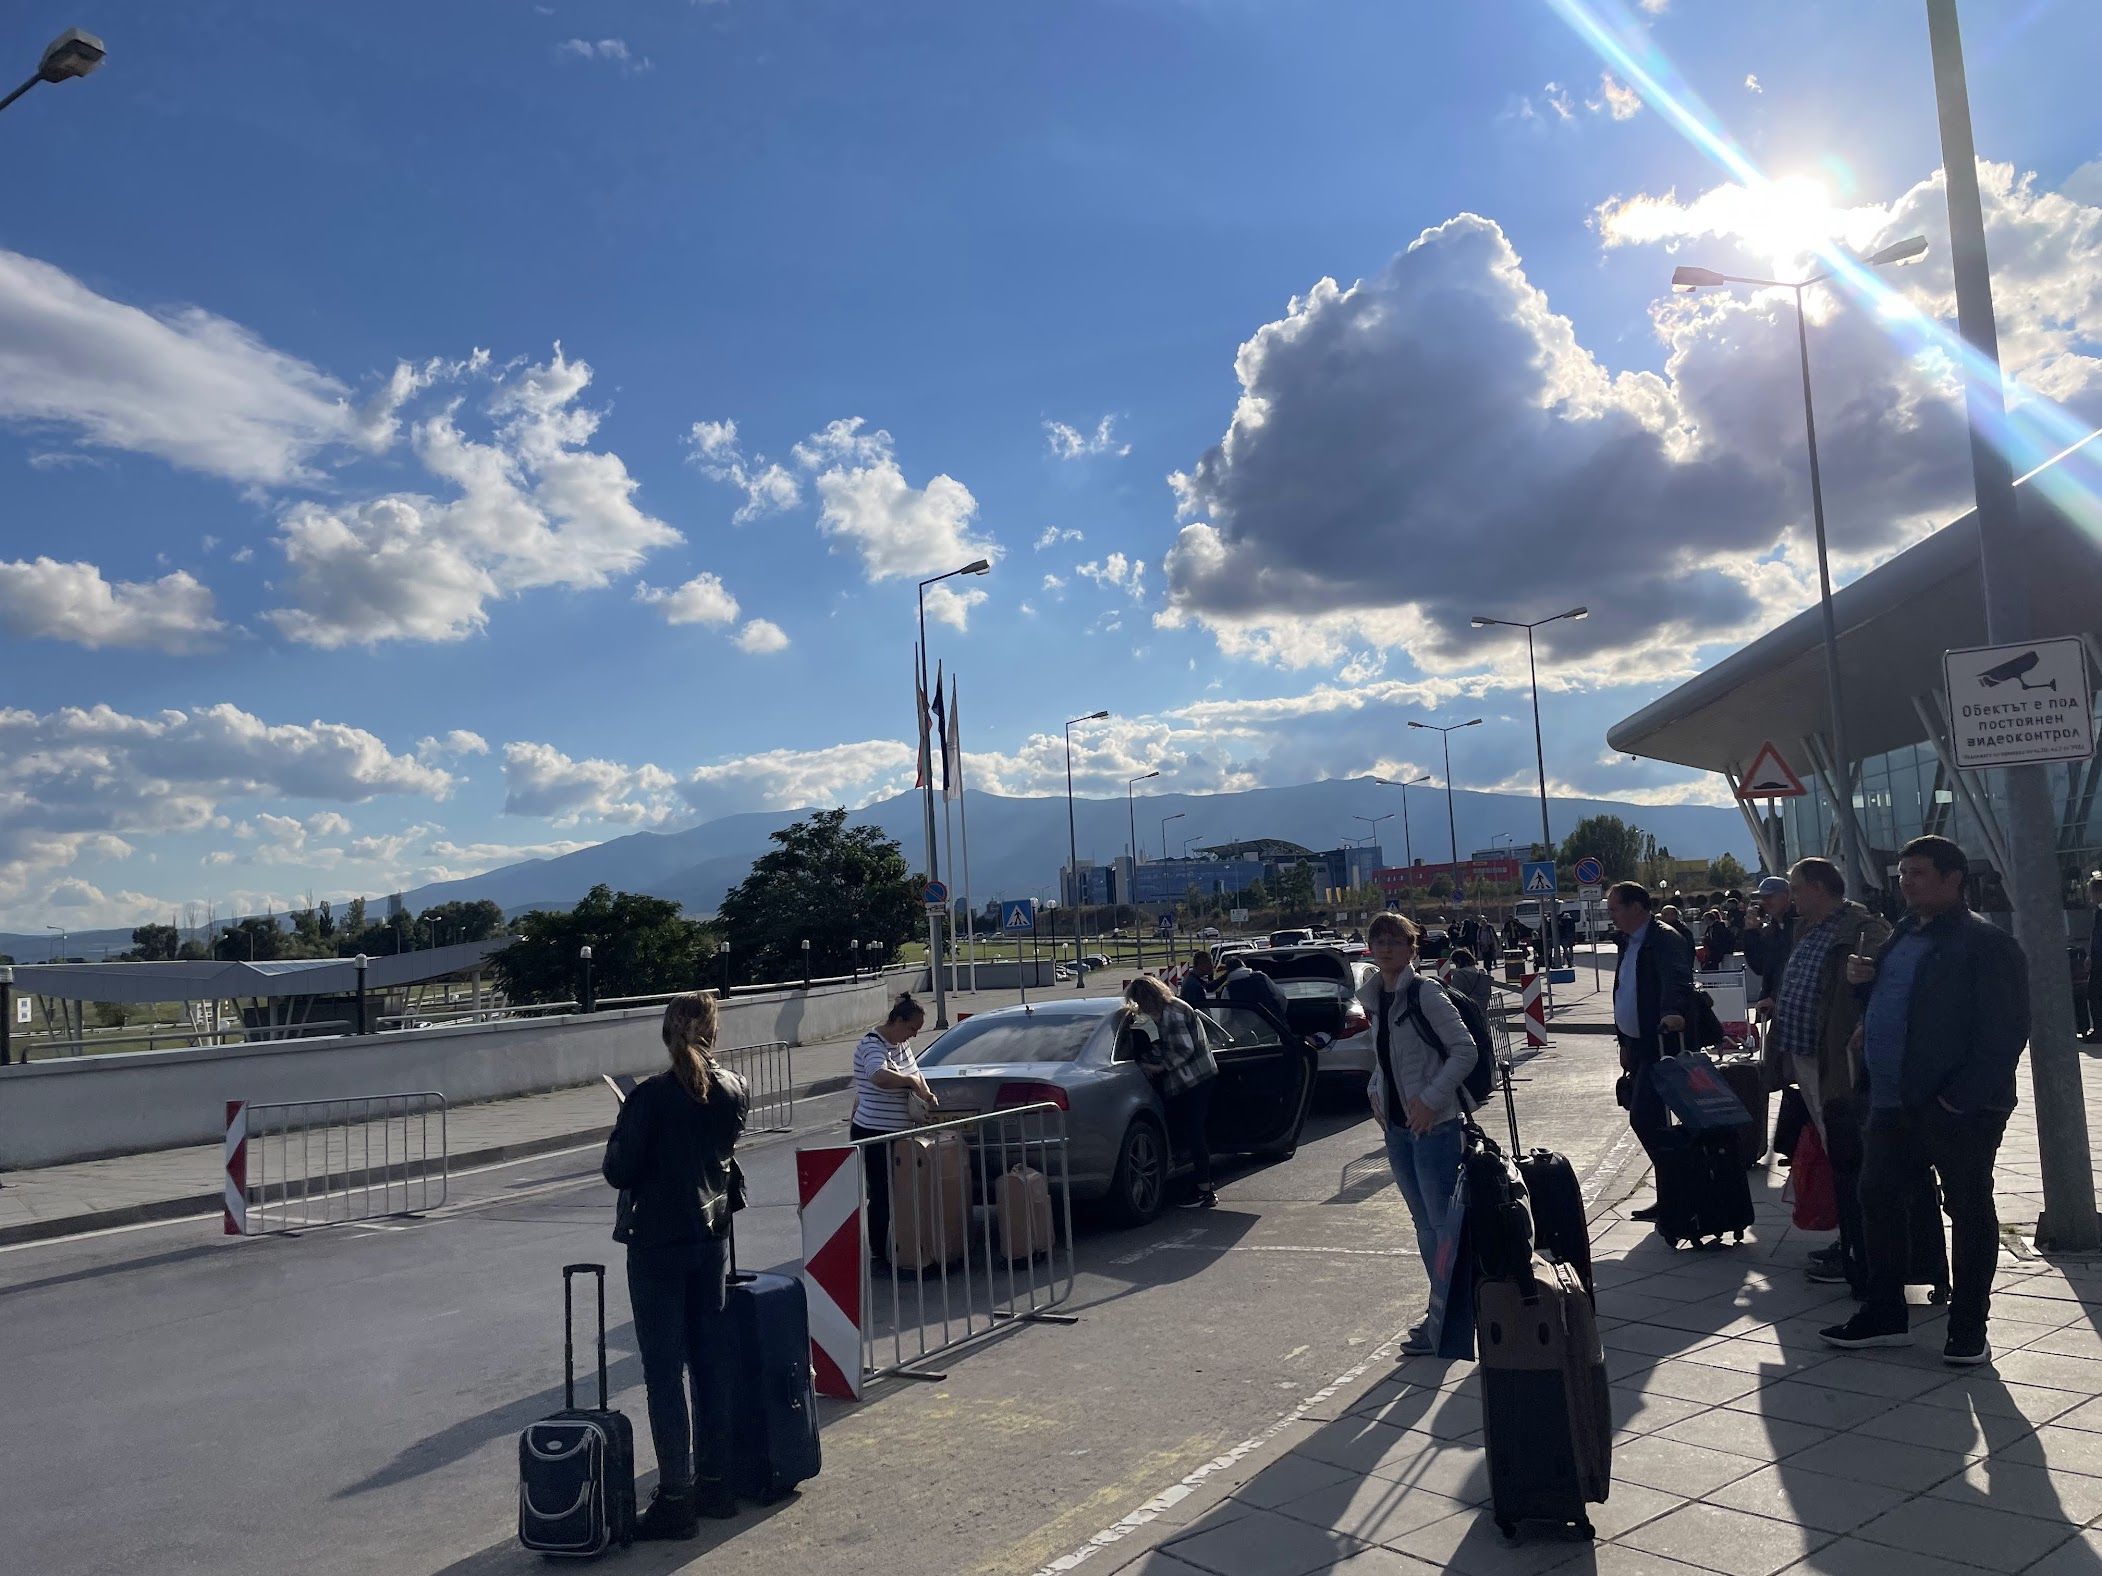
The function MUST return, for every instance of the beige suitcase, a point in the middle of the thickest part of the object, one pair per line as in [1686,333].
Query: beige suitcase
[1022,1213]
[930,1195]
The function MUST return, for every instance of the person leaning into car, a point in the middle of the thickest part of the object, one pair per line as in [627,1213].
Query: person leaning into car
[1180,1063]
[1196,987]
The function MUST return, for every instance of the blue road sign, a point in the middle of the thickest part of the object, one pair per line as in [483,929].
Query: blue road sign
[1589,871]
[1459,893]
[1539,878]
[1018,917]
[1165,925]
[936,894]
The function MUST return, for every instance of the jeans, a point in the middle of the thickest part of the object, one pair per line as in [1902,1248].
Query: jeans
[1425,1170]
[875,1161]
[1187,1114]
[1897,1146]
[1647,1113]
[682,1328]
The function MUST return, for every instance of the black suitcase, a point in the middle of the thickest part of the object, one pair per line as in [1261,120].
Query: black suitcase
[576,1469]
[1547,1416]
[774,1444]
[1499,1226]
[1747,1080]
[1560,1230]
[1702,1189]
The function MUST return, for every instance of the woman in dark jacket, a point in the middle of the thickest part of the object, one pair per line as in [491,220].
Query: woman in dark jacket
[670,1155]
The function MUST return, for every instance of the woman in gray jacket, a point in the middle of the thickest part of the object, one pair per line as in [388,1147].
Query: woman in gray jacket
[1424,1056]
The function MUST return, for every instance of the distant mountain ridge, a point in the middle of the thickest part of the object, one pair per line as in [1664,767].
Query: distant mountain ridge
[1018,845]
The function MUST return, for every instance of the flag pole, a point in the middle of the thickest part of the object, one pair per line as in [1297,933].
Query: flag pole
[949,855]
[963,819]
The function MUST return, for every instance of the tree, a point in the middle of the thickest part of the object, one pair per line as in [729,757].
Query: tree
[825,882]
[1726,872]
[1295,892]
[1441,887]
[639,947]
[1611,841]
[155,943]
[354,917]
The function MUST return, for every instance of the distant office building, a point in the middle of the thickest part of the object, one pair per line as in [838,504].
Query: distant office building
[1414,880]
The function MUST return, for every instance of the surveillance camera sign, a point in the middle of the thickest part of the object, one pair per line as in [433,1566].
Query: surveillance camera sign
[2019,705]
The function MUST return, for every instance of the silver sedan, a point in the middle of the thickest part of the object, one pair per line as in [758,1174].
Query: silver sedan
[1083,1057]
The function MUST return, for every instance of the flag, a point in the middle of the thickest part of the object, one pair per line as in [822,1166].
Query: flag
[941,728]
[926,758]
[952,751]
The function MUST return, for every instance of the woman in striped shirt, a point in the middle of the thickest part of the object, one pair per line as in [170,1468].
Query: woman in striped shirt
[886,1078]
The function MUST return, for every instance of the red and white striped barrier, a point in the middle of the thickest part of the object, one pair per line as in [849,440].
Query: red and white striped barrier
[828,1203]
[1535,1011]
[235,1210]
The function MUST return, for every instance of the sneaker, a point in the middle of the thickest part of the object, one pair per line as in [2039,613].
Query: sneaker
[1830,1254]
[1868,1329]
[1826,1272]
[1967,1351]
[670,1517]
[1417,1343]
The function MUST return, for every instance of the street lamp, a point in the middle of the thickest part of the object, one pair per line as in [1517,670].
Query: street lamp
[977,566]
[806,963]
[722,952]
[1131,811]
[1073,847]
[60,955]
[364,1015]
[1164,820]
[71,54]
[1547,839]
[1686,280]
[1447,730]
[1408,850]
[588,999]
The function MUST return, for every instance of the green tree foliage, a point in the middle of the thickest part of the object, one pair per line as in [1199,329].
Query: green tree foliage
[827,882]
[1726,872]
[155,943]
[1295,892]
[639,946]
[1621,848]
[1441,887]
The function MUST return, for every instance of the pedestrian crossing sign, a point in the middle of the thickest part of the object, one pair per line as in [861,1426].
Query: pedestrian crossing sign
[1539,879]
[1018,917]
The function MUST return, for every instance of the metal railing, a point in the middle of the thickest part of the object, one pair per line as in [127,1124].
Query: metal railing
[446,1017]
[986,1243]
[326,1162]
[174,1036]
[768,1070]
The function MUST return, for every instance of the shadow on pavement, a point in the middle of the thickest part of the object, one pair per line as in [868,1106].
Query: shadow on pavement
[509,1559]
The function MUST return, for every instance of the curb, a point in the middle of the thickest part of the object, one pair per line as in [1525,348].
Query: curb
[200,1205]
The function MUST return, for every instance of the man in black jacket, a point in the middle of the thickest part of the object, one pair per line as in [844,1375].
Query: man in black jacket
[1250,987]
[1946,1018]
[1652,997]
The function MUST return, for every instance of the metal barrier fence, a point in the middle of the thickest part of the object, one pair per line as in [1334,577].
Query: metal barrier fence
[980,1236]
[768,1070]
[305,1163]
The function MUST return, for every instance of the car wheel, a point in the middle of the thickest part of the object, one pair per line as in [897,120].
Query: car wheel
[1139,1189]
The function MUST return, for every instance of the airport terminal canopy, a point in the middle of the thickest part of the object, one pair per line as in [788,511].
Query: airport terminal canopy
[1265,848]
[1894,624]
[208,979]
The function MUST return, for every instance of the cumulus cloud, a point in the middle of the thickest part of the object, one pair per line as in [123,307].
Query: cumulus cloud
[540,780]
[768,487]
[183,385]
[614,51]
[536,506]
[1070,443]
[543,781]
[1051,536]
[456,745]
[1616,98]
[1116,572]
[900,531]
[761,636]
[1751,83]
[1437,429]
[701,600]
[44,599]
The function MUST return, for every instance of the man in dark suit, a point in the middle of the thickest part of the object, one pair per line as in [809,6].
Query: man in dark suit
[1652,998]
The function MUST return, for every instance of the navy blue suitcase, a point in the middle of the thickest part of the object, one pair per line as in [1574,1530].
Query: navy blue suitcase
[774,1443]
[576,1469]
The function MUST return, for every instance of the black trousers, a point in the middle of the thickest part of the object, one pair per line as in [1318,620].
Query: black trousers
[682,1331]
[875,1161]
[1187,1114]
[1647,1113]
[1897,1146]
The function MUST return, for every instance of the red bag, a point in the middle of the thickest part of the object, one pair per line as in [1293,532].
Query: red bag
[1816,1201]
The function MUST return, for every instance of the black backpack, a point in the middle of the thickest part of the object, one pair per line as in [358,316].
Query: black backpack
[1482,1078]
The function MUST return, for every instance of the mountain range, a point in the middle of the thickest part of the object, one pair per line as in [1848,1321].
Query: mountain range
[1018,845]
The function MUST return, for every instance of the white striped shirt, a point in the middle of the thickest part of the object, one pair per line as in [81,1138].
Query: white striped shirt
[883,1110]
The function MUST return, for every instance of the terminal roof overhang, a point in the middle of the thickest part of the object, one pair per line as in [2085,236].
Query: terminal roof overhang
[1894,624]
[208,979]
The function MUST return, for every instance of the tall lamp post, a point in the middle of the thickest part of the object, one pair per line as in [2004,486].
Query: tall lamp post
[60,955]
[1073,849]
[1131,814]
[1408,851]
[71,54]
[1687,280]
[1164,820]
[1446,731]
[1547,838]
[979,566]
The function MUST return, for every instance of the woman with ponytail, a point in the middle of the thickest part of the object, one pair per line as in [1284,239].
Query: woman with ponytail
[670,1155]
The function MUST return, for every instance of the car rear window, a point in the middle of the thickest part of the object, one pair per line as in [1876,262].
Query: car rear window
[1036,1037]
[1310,990]
[1329,966]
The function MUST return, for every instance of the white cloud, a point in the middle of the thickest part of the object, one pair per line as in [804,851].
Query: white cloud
[1054,583]
[244,555]
[472,859]
[609,49]
[701,600]
[540,780]
[543,781]
[1656,7]
[900,531]
[1116,571]
[1621,101]
[1051,536]
[1751,83]
[1070,443]
[183,385]
[761,636]
[534,507]
[948,605]
[385,849]
[1557,98]
[456,745]
[44,599]
[768,487]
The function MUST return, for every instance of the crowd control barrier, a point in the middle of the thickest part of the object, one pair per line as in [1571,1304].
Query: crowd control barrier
[768,1071]
[981,1236]
[307,1163]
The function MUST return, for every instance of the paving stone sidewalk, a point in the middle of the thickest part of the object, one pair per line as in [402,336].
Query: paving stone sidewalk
[1744,1444]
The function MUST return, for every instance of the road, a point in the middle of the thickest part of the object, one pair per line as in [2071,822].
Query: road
[348,1401]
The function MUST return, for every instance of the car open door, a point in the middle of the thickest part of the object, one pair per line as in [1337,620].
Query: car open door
[1266,1081]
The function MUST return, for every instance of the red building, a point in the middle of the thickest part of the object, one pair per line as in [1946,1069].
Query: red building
[1402,880]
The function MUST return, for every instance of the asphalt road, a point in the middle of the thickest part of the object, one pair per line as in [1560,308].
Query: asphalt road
[348,1400]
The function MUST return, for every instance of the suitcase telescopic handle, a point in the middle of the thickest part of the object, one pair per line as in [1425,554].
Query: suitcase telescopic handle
[569,1351]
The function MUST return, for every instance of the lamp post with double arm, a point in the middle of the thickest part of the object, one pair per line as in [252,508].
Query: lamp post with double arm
[1073,849]
[1547,840]
[1446,731]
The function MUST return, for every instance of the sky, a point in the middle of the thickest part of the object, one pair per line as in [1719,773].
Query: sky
[428,446]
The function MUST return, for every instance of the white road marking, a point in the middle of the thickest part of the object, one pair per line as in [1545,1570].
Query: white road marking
[1610,1165]
[1177,1492]
[1152,1248]
[1297,1351]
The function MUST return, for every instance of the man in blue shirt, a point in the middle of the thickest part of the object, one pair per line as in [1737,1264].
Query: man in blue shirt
[1946,1019]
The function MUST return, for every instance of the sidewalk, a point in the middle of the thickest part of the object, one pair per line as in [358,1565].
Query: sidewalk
[1743,1445]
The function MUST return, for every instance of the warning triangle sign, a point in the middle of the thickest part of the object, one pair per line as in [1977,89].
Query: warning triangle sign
[1770,777]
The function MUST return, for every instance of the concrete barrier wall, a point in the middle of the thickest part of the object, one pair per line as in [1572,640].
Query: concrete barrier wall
[995,976]
[89,1107]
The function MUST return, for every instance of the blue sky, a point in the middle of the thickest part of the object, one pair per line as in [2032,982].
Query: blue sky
[325,570]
